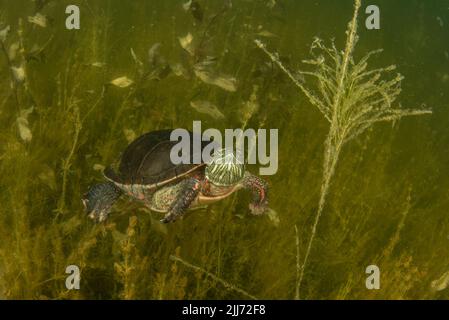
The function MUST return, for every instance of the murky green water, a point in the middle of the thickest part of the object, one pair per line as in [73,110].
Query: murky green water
[61,123]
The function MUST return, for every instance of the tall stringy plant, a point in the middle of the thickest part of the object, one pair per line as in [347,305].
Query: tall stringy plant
[350,96]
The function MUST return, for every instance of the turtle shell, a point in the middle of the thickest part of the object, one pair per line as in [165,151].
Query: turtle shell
[146,162]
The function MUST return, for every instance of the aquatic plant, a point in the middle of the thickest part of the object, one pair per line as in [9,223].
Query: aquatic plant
[89,96]
[226,284]
[351,98]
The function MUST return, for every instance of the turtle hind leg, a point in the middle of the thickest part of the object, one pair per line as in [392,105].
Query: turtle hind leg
[99,200]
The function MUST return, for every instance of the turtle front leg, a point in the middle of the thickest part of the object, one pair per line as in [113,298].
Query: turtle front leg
[186,196]
[99,200]
[259,190]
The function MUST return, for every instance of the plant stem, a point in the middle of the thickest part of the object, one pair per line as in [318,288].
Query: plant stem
[67,163]
[213,277]
[335,138]
[13,80]
[298,267]
[306,92]
[350,42]
[330,162]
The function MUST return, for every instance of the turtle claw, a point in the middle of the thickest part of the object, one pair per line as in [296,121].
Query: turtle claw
[168,219]
[98,215]
[257,209]
[93,211]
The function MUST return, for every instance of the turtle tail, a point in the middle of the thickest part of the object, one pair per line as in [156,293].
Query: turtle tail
[99,200]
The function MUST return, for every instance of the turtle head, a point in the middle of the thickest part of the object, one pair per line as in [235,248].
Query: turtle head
[225,170]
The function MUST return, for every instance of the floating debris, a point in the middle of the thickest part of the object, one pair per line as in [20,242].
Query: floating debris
[23,125]
[122,82]
[207,108]
[39,20]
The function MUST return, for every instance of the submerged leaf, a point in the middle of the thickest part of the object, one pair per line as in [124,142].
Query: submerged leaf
[271,4]
[130,135]
[99,167]
[186,43]
[194,8]
[122,82]
[118,237]
[12,51]
[154,57]
[4,33]
[267,34]
[160,72]
[98,64]
[39,20]
[135,58]
[207,108]
[47,176]
[71,224]
[18,73]
[156,225]
[160,68]
[250,107]
[25,113]
[225,82]
[186,6]
[23,125]
[441,283]
[273,216]
[206,62]
[179,70]
[137,103]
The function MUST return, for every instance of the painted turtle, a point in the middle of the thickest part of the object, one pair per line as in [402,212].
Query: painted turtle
[146,173]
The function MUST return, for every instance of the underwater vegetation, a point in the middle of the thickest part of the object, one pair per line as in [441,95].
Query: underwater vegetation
[351,98]
[71,100]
